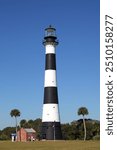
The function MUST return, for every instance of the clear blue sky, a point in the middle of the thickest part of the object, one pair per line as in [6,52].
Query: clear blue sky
[22,57]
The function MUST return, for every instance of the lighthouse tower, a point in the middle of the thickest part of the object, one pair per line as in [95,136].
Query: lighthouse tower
[51,128]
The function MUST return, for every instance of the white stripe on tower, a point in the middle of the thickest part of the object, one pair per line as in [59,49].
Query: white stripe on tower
[50,113]
[50,49]
[50,78]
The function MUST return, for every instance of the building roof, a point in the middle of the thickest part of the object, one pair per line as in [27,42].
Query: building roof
[29,130]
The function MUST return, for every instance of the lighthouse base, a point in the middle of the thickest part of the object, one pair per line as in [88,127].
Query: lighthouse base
[51,131]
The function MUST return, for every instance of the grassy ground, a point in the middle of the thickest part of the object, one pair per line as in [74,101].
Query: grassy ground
[50,145]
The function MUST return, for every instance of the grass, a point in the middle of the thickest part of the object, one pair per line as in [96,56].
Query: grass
[50,145]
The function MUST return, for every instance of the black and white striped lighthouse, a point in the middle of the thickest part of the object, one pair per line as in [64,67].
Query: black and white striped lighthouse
[51,128]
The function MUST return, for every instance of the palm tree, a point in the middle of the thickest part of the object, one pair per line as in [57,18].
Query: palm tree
[83,111]
[15,113]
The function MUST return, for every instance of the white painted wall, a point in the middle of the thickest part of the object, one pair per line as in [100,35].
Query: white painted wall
[50,78]
[50,113]
[50,49]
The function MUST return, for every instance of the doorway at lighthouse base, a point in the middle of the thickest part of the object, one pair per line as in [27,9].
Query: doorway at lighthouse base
[51,131]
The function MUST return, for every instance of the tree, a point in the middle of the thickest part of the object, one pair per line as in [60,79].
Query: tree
[23,123]
[15,113]
[31,123]
[83,111]
[6,133]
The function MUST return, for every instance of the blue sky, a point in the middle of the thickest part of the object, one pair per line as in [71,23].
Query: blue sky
[22,57]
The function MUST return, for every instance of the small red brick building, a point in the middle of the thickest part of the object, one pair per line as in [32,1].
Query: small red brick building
[26,134]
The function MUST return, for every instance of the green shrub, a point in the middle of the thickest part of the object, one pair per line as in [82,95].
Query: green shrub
[4,137]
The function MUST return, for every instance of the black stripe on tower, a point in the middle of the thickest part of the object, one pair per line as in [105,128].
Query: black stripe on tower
[50,95]
[50,62]
[50,130]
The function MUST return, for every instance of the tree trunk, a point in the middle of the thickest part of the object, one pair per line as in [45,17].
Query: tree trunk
[84,128]
[16,127]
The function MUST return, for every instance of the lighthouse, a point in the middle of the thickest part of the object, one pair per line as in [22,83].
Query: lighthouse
[51,128]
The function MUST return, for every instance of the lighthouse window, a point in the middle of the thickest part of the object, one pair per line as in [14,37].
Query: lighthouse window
[50,33]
